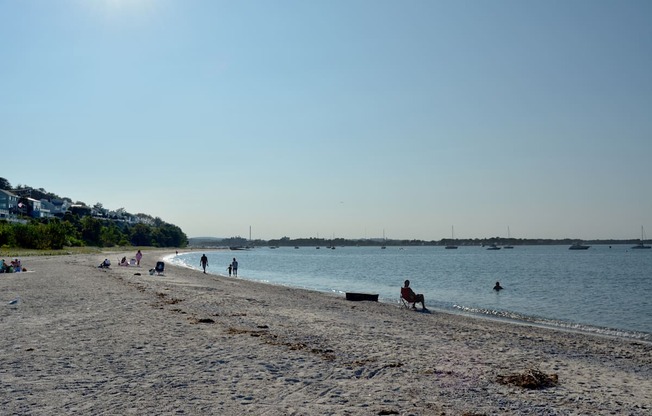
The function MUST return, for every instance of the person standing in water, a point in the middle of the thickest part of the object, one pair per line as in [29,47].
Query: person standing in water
[234,266]
[498,287]
[204,262]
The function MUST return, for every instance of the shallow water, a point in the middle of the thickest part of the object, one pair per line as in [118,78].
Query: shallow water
[604,289]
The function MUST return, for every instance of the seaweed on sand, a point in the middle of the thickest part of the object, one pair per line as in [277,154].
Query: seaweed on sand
[530,379]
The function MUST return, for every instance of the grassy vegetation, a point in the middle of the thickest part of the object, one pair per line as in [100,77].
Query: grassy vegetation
[26,252]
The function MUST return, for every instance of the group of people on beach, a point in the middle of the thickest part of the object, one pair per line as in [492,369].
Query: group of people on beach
[123,262]
[133,262]
[12,267]
[232,268]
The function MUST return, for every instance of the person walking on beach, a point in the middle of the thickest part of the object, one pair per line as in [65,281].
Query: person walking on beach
[139,256]
[229,269]
[234,266]
[204,262]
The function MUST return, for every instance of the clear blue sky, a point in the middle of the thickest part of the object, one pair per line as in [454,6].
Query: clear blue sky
[337,118]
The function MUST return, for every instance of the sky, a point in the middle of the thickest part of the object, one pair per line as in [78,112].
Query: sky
[338,118]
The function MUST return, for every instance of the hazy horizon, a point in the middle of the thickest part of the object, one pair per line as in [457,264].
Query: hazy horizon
[337,118]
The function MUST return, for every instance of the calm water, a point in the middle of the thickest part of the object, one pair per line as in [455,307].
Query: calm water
[603,289]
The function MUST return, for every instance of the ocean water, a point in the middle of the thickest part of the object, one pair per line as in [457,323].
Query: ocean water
[606,289]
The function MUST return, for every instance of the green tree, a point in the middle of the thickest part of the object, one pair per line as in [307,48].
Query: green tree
[5,185]
[31,235]
[57,234]
[141,235]
[110,236]
[6,234]
[91,229]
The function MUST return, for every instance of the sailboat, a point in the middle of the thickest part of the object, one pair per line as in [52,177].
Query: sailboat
[641,244]
[451,246]
[509,237]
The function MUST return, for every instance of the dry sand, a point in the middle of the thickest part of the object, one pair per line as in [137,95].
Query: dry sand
[109,342]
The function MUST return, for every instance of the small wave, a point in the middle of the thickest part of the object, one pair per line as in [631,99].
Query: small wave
[552,323]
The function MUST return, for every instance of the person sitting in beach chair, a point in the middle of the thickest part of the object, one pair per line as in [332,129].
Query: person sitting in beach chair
[105,264]
[123,262]
[408,296]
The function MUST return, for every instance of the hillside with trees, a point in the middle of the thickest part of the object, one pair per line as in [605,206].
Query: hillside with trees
[80,225]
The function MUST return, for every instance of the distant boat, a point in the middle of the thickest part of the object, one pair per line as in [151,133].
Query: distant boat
[493,247]
[238,248]
[451,246]
[578,246]
[641,245]
[509,237]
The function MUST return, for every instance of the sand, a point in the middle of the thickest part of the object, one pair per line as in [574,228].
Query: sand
[83,340]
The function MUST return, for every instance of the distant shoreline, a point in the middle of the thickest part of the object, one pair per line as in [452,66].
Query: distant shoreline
[312,242]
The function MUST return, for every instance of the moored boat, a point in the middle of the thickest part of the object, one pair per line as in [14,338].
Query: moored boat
[451,245]
[578,246]
[641,245]
[509,237]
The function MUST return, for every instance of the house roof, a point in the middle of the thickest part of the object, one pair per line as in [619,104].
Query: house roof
[8,193]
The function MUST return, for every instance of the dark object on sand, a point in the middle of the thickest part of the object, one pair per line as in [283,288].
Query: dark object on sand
[361,296]
[530,379]
[160,267]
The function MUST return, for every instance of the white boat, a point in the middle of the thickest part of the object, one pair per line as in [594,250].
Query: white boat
[493,246]
[451,246]
[578,246]
[641,245]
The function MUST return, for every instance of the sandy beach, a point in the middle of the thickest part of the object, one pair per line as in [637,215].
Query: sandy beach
[89,341]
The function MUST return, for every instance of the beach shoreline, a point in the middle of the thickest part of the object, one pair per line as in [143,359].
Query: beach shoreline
[122,341]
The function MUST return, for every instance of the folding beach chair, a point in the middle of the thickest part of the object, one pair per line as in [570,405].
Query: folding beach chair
[406,299]
[160,266]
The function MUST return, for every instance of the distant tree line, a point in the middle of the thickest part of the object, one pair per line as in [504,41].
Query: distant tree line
[364,242]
